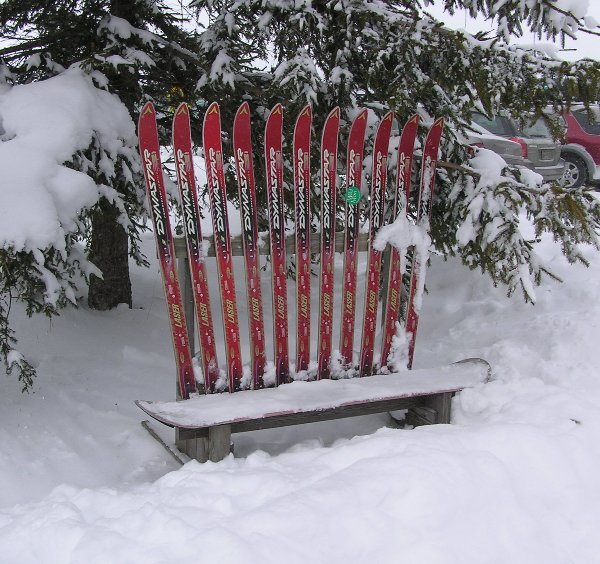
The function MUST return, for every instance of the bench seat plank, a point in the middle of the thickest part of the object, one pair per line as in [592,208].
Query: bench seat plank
[383,392]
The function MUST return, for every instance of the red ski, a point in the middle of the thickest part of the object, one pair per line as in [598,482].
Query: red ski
[303,264]
[213,155]
[157,196]
[182,147]
[417,280]
[329,145]
[244,165]
[354,165]
[378,186]
[274,174]
[395,269]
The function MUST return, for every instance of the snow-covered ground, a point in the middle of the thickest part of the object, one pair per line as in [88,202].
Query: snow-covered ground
[513,480]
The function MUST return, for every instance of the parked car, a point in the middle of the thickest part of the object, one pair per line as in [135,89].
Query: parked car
[582,149]
[510,151]
[539,151]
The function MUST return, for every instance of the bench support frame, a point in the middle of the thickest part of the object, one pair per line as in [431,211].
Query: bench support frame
[215,443]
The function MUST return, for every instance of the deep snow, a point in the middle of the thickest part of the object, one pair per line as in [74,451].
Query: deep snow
[513,479]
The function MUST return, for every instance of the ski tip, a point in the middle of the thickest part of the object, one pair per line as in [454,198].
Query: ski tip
[331,128]
[147,108]
[182,109]
[435,132]
[277,110]
[334,114]
[387,117]
[304,120]
[213,109]
[359,125]
[411,126]
[212,116]
[243,110]
[306,111]
[275,119]
[385,125]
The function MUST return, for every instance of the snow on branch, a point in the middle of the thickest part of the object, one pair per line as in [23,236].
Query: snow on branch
[501,213]
[45,124]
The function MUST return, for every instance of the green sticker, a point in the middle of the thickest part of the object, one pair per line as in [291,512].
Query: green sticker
[353,195]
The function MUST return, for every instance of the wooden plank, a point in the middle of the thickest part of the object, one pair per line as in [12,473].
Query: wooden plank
[286,420]
[421,415]
[187,297]
[290,244]
[436,409]
[307,397]
[442,404]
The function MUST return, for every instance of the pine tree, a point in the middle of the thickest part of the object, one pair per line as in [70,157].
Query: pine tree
[135,49]
[393,55]
[381,55]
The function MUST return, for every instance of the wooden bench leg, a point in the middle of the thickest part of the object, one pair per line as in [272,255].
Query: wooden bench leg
[213,445]
[219,442]
[436,408]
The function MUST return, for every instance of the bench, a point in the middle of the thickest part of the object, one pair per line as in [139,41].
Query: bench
[204,422]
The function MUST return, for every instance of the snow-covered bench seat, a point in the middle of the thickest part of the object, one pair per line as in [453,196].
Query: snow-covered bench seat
[209,420]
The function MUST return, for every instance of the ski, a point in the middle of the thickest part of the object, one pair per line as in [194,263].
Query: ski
[179,456]
[213,155]
[395,270]
[157,196]
[303,265]
[329,145]
[354,163]
[417,277]
[378,186]
[274,174]
[182,147]
[244,165]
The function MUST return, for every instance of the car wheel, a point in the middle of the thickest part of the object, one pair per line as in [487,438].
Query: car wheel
[575,174]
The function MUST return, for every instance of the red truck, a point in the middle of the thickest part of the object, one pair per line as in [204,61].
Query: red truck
[582,150]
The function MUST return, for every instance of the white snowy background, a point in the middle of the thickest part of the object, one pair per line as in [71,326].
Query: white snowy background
[514,478]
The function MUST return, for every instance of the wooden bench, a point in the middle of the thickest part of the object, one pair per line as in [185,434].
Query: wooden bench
[204,423]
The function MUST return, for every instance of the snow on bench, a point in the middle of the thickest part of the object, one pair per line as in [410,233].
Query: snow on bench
[243,409]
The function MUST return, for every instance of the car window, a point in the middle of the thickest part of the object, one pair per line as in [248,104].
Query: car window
[498,126]
[538,129]
[591,126]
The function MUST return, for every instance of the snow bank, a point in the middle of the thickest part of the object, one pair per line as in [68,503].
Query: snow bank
[513,479]
[45,123]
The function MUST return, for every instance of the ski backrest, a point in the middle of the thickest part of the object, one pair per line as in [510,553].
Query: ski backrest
[280,246]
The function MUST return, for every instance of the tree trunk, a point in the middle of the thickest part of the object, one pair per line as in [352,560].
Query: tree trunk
[109,252]
[109,249]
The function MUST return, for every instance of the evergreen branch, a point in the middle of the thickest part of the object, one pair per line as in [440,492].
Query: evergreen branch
[459,168]
[24,46]
[570,14]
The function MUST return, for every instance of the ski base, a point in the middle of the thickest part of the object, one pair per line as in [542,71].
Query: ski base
[175,453]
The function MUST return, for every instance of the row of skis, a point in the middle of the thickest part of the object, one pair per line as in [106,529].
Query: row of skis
[242,148]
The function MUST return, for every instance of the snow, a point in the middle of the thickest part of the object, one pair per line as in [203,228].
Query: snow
[513,479]
[121,28]
[45,123]
[302,396]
